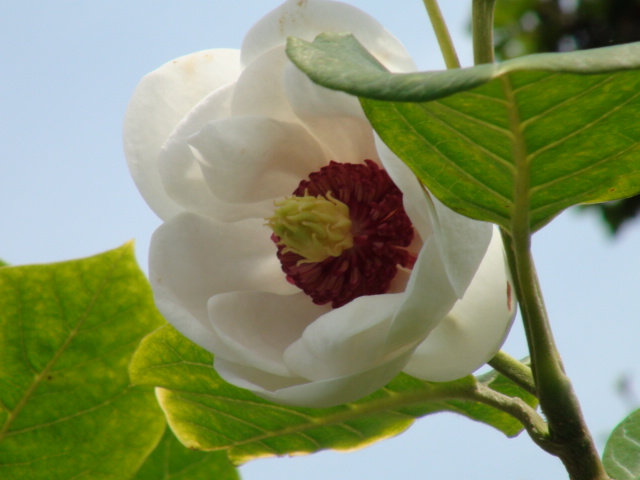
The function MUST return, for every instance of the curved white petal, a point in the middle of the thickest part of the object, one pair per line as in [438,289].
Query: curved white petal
[475,329]
[298,392]
[429,297]
[255,158]
[462,241]
[310,100]
[347,340]
[181,170]
[308,18]
[260,88]
[255,328]
[159,102]
[334,118]
[414,198]
[193,258]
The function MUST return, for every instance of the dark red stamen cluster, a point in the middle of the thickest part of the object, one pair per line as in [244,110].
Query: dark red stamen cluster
[380,227]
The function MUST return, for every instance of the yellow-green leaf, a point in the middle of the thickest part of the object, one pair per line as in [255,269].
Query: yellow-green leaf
[207,413]
[67,333]
[517,141]
[621,456]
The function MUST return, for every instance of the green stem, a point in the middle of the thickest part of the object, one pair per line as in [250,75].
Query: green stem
[482,26]
[442,34]
[514,406]
[569,436]
[518,372]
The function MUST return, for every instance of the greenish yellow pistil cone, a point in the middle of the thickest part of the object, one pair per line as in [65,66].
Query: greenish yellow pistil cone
[313,227]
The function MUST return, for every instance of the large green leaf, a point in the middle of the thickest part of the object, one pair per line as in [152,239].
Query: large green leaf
[209,414]
[173,461]
[525,138]
[67,333]
[621,456]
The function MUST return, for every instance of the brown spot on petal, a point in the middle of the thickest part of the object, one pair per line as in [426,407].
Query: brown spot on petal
[509,297]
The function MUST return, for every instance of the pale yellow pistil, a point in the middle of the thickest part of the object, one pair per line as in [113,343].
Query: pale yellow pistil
[315,228]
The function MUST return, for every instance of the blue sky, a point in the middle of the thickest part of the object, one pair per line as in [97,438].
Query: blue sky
[67,70]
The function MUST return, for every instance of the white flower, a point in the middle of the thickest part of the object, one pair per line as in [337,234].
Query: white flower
[216,138]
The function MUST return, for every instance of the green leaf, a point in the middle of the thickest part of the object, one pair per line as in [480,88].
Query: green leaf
[621,456]
[67,334]
[207,413]
[338,61]
[173,461]
[525,138]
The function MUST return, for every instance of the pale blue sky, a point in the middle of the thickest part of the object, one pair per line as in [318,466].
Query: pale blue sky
[67,70]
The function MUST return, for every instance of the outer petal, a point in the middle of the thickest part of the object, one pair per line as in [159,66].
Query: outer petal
[308,18]
[255,328]
[179,168]
[345,341]
[462,242]
[414,197]
[475,329]
[321,394]
[260,89]
[159,102]
[429,297]
[310,100]
[193,258]
[254,158]
[335,118]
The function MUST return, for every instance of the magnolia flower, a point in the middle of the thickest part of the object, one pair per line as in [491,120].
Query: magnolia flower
[295,245]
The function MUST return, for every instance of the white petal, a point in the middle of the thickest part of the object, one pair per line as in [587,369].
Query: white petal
[159,102]
[429,297]
[414,198]
[475,329]
[335,118]
[255,328]
[252,159]
[193,258]
[179,168]
[347,340]
[321,394]
[309,99]
[308,18]
[259,89]
[462,241]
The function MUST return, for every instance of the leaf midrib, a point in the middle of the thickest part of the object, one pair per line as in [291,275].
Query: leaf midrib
[388,405]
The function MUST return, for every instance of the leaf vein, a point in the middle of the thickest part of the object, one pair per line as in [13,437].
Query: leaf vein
[68,417]
[452,164]
[584,128]
[583,170]
[70,337]
[566,102]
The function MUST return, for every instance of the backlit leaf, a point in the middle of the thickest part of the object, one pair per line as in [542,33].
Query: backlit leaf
[621,456]
[209,414]
[528,137]
[67,333]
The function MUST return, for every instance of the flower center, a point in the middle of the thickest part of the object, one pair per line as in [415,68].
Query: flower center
[314,228]
[343,233]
